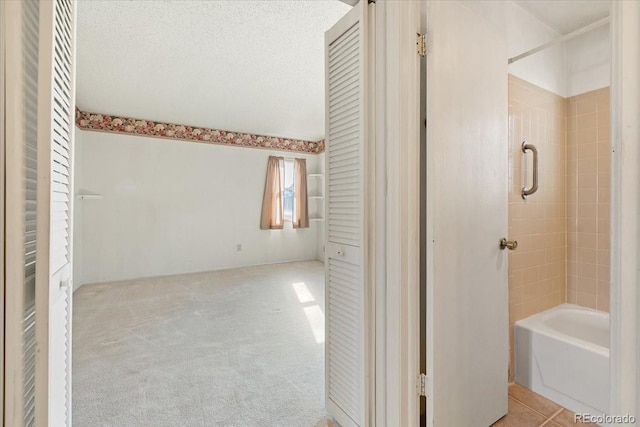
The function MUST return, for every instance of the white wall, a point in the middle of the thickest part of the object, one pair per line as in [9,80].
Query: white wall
[171,207]
[546,68]
[523,32]
[577,66]
[588,62]
[566,69]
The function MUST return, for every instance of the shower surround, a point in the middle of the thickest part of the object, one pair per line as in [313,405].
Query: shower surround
[537,269]
[588,159]
[562,229]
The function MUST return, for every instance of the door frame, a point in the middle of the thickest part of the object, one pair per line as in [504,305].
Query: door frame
[396,246]
[2,203]
[624,209]
[395,198]
[394,259]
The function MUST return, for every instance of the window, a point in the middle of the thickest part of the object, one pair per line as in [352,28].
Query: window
[285,194]
[287,176]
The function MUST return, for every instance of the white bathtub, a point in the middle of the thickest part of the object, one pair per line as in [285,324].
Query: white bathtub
[563,354]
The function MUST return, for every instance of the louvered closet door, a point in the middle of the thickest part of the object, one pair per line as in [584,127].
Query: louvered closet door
[346,292]
[37,124]
[55,171]
[20,24]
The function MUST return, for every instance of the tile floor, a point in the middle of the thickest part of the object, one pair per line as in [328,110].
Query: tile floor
[528,409]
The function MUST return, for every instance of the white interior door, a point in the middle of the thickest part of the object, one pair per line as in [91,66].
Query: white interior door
[467,179]
[346,362]
[56,113]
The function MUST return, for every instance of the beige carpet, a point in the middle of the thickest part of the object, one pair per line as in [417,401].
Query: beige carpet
[239,347]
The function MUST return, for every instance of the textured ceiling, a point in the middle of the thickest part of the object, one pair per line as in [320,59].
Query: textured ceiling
[250,66]
[566,16]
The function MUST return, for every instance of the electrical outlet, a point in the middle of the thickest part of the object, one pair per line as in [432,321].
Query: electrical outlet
[239,247]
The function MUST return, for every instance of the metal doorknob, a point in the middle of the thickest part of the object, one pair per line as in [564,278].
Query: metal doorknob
[508,244]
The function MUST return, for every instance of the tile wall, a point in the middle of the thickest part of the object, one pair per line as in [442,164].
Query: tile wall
[537,269]
[563,229]
[588,158]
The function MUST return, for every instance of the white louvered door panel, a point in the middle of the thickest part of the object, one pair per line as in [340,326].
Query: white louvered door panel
[55,170]
[20,98]
[30,31]
[345,282]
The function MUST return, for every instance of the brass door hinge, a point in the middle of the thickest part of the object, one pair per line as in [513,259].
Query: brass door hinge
[422,44]
[423,385]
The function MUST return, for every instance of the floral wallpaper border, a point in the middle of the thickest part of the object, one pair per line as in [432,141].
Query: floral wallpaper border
[131,126]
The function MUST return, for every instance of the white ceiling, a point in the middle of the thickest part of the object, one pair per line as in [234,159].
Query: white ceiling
[565,16]
[251,66]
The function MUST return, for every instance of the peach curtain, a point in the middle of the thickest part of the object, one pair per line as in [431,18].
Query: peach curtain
[300,199]
[272,199]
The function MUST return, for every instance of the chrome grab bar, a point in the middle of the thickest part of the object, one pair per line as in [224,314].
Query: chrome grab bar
[534,187]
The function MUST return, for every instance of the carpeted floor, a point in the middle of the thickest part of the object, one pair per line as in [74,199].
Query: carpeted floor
[241,347]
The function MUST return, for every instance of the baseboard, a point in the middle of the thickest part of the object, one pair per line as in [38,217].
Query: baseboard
[76,287]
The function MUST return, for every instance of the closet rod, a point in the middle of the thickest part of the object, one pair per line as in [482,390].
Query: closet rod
[586,29]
